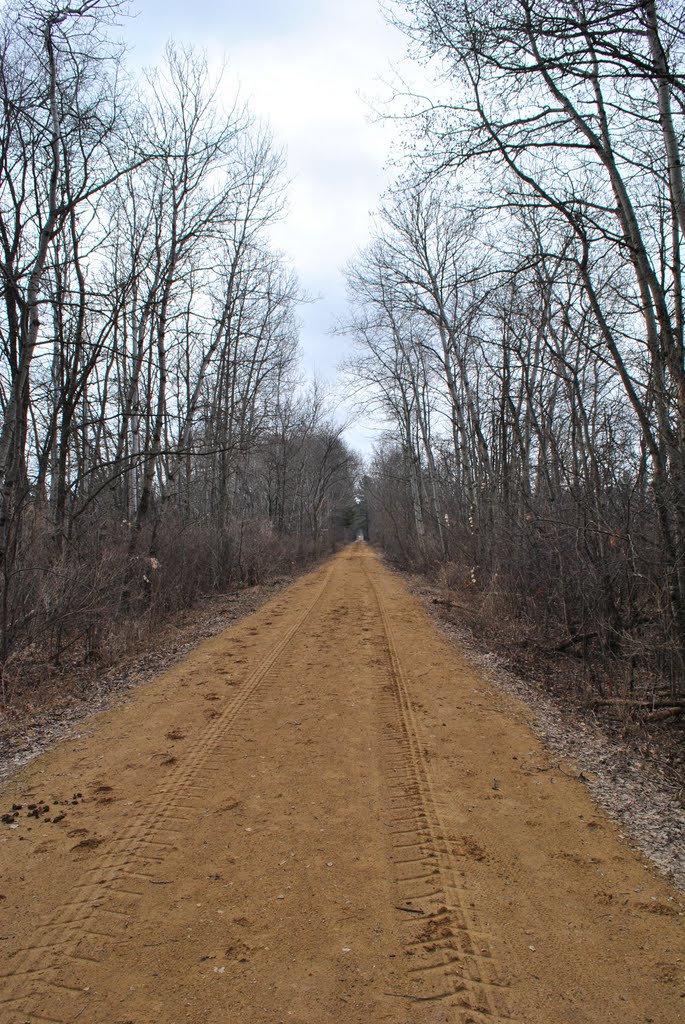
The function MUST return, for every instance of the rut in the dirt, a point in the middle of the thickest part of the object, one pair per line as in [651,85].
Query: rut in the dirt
[323,815]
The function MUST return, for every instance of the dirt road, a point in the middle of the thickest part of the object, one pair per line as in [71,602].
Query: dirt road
[323,815]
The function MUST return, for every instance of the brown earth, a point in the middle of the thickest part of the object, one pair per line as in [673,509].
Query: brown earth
[325,815]
[49,701]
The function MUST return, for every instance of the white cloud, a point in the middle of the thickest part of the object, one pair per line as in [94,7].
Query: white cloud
[306,67]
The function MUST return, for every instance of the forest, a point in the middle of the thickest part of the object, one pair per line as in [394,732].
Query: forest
[517,318]
[158,440]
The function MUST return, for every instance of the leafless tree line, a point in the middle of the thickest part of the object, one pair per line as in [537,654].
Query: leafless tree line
[519,316]
[151,445]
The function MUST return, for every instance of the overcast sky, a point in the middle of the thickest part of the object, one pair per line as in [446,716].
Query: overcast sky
[308,68]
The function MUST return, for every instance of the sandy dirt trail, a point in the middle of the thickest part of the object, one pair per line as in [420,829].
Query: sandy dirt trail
[323,815]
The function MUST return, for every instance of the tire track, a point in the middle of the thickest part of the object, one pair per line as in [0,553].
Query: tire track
[84,928]
[453,962]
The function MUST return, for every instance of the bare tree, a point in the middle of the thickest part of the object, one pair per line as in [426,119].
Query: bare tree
[575,108]
[148,340]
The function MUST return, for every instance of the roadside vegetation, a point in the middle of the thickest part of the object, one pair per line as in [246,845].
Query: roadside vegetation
[519,322]
[157,443]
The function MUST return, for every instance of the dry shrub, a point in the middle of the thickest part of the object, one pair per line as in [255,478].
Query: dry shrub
[70,603]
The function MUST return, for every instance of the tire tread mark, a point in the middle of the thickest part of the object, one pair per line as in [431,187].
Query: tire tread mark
[116,865]
[458,968]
